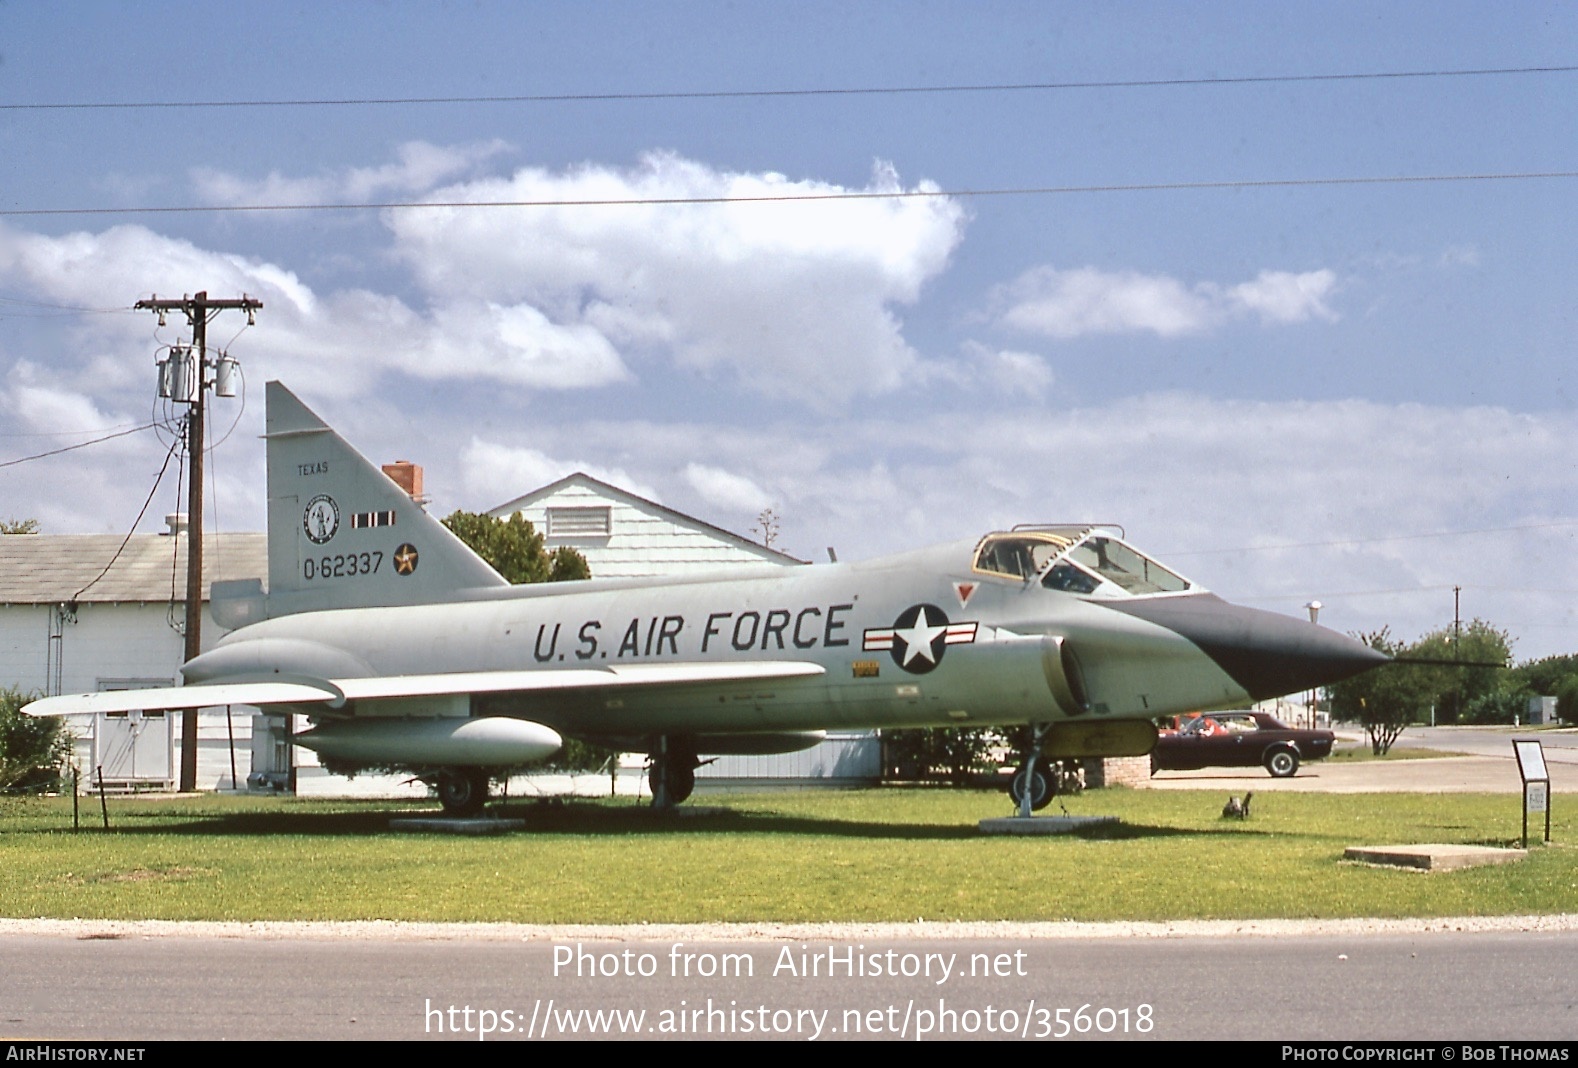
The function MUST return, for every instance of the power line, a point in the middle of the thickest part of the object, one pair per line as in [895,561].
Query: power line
[17,302]
[777,198]
[759,94]
[64,433]
[1372,541]
[144,511]
[79,445]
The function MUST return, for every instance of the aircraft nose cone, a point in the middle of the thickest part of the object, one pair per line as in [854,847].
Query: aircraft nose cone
[1269,655]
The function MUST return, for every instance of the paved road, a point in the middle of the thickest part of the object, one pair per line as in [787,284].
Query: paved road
[1419,985]
[1490,767]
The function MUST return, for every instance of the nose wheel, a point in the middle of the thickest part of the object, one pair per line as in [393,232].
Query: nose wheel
[1030,789]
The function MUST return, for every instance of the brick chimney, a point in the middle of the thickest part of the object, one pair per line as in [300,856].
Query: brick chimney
[408,476]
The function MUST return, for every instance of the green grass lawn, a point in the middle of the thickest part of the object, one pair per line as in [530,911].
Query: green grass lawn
[1352,754]
[874,855]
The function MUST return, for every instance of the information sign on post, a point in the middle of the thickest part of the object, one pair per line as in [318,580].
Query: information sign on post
[1536,783]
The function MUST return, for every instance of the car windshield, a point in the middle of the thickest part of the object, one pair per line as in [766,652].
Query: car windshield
[1081,560]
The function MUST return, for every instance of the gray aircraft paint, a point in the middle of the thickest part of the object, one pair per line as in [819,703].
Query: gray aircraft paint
[376,612]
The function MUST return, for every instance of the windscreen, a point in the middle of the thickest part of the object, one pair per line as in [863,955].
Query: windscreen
[1076,560]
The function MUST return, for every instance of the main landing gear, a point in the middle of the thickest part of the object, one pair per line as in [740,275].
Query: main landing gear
[672,772]
[462,791]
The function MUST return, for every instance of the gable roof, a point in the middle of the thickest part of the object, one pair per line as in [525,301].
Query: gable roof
[604,489]
[53,568]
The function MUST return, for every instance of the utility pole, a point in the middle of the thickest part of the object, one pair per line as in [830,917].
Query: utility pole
[1457,648]
[184,379]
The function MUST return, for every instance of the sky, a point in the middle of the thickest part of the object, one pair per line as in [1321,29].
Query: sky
[1138,287]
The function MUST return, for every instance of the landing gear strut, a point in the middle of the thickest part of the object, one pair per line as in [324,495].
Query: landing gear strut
[462,791]
[1031,788]
[673,772]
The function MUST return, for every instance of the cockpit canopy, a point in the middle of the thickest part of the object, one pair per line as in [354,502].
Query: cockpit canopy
[1083,560]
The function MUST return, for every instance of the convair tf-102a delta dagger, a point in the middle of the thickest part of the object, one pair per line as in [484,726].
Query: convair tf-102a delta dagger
[405,649]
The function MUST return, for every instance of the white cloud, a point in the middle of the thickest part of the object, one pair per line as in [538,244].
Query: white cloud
[1269,503]
[725,490]
[47,409]
[1008,375]
[420,166]
[341,342]
[515,343]
[1283,297]
[1072,303]
[788,301]
[498,473]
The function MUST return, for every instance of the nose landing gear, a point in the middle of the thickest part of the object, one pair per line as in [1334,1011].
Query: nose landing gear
[1038,779]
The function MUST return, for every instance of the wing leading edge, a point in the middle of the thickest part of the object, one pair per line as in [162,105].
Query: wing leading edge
[334,693]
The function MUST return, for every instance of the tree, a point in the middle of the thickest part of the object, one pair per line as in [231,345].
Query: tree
[1476,644]
[951,753]
[1387,699]
[1392,696]
[33,749]
[18,526]
[1553,676]
[767,526]
[515,549]
[1498,706]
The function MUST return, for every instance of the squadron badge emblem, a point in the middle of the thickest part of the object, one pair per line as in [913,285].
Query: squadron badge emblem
[321,519]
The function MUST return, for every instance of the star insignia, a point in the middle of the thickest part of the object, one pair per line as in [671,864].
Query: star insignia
[920,637]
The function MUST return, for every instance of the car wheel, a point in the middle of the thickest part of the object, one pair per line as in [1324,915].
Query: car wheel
[1282,763]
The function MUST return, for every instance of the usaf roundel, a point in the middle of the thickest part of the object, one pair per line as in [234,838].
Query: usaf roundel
[321,519]
[918,637]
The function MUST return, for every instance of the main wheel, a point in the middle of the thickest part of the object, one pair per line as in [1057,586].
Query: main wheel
[1039,787]
[681,780]
[1282,763]
[462,791]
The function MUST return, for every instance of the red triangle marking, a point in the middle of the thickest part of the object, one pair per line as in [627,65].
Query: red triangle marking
[965,590]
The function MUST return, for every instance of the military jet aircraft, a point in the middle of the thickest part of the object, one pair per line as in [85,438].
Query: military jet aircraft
[405,649]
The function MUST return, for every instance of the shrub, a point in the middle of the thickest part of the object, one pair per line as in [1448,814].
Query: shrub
[33,750]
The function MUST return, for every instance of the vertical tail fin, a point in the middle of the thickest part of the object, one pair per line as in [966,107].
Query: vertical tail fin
[342,534]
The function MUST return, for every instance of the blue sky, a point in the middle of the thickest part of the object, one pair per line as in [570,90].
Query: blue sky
[1356,393]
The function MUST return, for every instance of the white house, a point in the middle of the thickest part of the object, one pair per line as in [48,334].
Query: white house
[626,536]
[85,612]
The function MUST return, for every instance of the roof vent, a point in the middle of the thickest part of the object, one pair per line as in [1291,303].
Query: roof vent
[176,522]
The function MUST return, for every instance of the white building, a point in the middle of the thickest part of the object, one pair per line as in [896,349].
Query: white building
[81,613]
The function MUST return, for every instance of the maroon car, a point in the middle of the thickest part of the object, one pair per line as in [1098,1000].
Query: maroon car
[1238,740]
